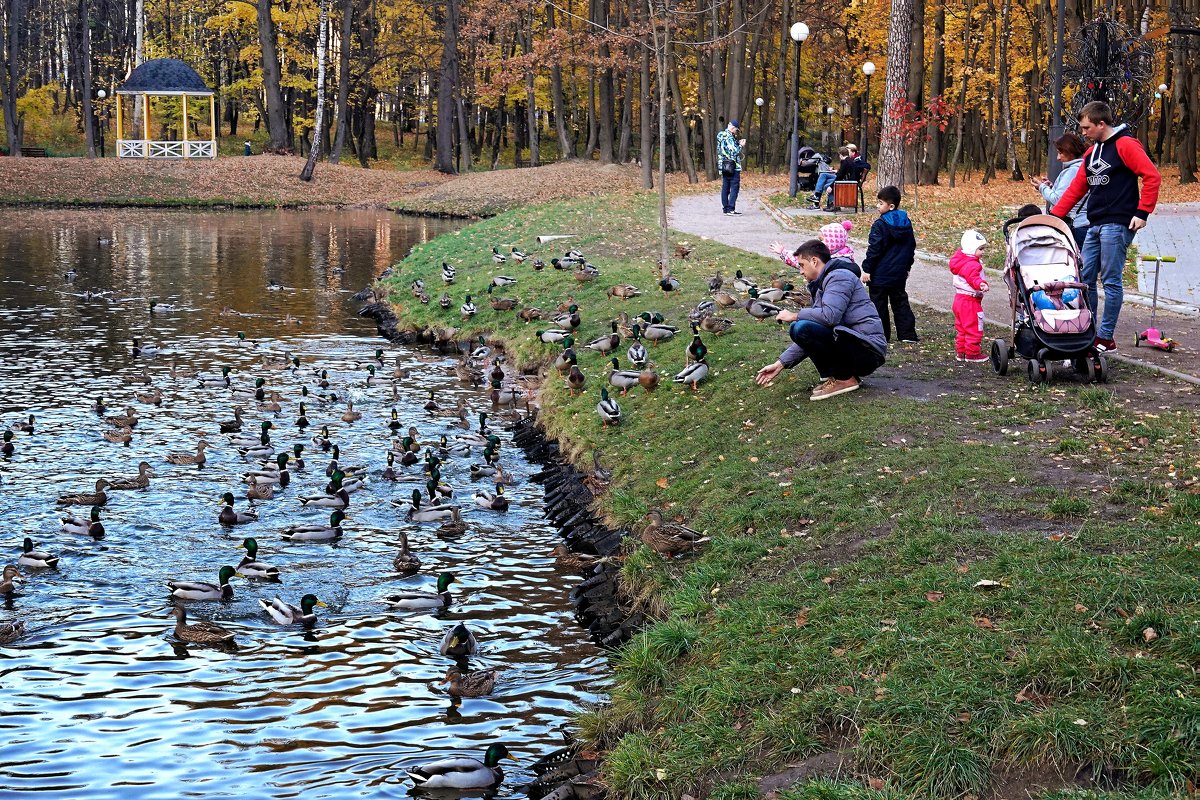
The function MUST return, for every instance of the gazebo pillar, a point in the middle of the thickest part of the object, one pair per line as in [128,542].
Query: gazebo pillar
[118,99]
[212,119]
[146,125]
[185,130]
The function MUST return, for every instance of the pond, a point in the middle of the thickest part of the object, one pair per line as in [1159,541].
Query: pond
[100,699]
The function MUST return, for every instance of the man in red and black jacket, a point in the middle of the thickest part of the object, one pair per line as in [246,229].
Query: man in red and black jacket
[1116,208]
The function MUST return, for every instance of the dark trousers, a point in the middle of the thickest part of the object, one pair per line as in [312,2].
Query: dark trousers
[906,323]
[730,184]
[839,356]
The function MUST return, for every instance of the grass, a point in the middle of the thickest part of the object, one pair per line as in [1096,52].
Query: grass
[839,606]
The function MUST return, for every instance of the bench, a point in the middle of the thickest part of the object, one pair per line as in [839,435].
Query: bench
[33,152]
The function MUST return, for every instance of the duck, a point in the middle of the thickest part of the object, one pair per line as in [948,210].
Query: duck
[97,498]
[257,394]
[553,335]
[448,273]
[286,614]
[36,559]
[608,409]
[696,350]
[114,435]
[372,379]
[191,459]
[529,314]
[24,427]
[389,472]
[715,325]
[251,441]
[716,282]
[260,491]
[200,590]
[492,502]
[518,256]
[262,451]
[350,415]
[575,378]
[8,580]
[401,371]
[774,295]
[405,561]
[481,351]
[462,772]
[637,351]
[229,516]
[11,631]
[758,309]
[539,264]
[127,420]
[743,284]
[144,349]
[624,291]
[297,458]
[570,318]
[140,482]
[446,450]
[424,601]
[315,532]
[339,498]
[355,471]
[725,299]
[669,283]
[475,684]
[658,332]
[607,343]
[251,567]
[431,405]
[669,539]
[567,357]
[92,526]
[233,425]
[417,287]
[577,561]
[467,309]
[152,397]
[214,381]
[586,273]
[702,308]
[416,513]
[502,303]
[459,642]
[503,280]
[302,420]
[622,379]
[693,373]
[683,250]
[573,256]
[98,406]
[343,482]
[271,474]
[505,396]
[498,257]
[202,632]
[322,439]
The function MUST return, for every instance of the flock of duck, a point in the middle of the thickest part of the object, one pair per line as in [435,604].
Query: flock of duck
[322,405]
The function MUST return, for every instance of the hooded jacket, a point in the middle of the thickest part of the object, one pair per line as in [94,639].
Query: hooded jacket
[840,301]
[968,274]
[891,248]
[1111,170]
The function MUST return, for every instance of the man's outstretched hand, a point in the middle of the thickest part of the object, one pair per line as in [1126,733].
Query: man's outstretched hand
[768,373]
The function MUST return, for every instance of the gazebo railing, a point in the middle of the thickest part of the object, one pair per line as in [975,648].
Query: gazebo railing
[141,148]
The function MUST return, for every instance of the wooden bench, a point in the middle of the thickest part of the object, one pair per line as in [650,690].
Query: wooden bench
[33,152]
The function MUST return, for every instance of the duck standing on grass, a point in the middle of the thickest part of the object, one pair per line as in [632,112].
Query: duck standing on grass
[608,409]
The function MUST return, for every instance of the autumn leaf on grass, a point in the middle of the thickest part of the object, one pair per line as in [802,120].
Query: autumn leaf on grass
[935,597]
[802,618]
[878,784]
[984,623]
[662,483]
[988,584]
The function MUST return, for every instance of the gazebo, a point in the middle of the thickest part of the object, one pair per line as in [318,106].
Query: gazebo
[165,77]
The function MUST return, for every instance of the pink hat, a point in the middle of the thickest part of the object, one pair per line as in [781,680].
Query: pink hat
[836,236]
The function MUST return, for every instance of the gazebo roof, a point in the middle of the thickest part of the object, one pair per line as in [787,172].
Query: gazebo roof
[164,76]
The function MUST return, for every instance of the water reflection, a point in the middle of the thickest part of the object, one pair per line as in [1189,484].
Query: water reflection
[99,697]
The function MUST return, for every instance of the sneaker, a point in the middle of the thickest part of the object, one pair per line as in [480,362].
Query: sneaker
[834,387]
[977,359]
[959,357]
[909,341]
[728,213]
[736,213]
[1105,345]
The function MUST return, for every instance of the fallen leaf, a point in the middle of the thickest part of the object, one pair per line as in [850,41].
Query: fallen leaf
[962,569]
[935,597]
[876,783]
[1149,635]
[964,716]
[662,483]
[984,623]
[845,691]
[988,584]
[1080,608]
[838,652]
[827,580]
[802,618]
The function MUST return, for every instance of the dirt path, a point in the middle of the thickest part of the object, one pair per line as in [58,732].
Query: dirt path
[929,283]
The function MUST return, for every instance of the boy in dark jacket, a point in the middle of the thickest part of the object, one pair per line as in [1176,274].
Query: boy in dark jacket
[891,248]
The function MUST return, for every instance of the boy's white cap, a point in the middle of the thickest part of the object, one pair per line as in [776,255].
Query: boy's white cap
[972,240]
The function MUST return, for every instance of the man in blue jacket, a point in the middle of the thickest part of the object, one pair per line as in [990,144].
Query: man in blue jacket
[841,331]
[891,248]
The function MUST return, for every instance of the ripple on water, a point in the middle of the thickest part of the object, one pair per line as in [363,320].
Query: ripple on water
[99,697]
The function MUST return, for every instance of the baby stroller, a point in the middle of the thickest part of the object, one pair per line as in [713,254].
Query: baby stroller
[1051,319]
[807,167]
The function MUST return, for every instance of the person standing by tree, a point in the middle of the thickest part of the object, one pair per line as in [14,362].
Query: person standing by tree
[1115,208]
[729,158]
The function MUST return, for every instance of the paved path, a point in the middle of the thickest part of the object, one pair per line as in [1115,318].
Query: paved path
[1173,231]
[929,283]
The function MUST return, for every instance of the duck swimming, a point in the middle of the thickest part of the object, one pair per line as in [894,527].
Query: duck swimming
[200,590]
[286,614]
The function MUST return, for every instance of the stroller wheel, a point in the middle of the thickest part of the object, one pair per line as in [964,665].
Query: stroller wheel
[1000,356]
[1047,370]
[1033,371]
[1101,366]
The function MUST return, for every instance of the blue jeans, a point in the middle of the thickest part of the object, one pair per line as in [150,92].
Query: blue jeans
[730,184]
[839,356]
[1104,257]
[824,181]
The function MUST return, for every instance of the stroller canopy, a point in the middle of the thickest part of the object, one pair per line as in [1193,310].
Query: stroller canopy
[1043,248]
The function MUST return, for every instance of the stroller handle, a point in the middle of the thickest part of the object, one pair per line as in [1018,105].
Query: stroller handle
[1162,259]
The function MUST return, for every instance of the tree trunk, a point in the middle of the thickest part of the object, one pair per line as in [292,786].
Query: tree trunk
[737,63]
[626,137]
[592,127]
[899,45]
[535,156]
[645,131]
[962,96]
[447,90]
[314,152]
[277,123]
[777,150]
[1014,167]
[682,143]
[14,12]
[915,94]
[566,145]
[604,122]
[708,110]
[937,88]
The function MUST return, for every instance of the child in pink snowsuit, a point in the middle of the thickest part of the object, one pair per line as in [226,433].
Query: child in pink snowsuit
[969,287]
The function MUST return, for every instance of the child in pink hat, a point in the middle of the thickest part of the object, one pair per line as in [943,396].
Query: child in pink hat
[836,236]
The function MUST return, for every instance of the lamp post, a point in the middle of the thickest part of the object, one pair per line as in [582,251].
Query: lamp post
[762,133]
[100,95]
[829,113]
[798,32]
[1162,120]
[868,69]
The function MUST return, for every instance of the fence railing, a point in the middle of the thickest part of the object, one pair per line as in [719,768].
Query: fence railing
[141,148]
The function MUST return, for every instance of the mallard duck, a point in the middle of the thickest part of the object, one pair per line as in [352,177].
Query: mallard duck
[424,601]
[302,420]
[229,516]
[467,309]
[97,498]
[202,632]
[492,502]
[505,395]
[344,482]
[8,580]
[127,420]
[322,439]
[11,631]
[553,335]
[36,559]
[389,472]
[475,684]
[340,498]
[350,414]
[498,257]
[503,280]
[637,351]
[257,394]
[569,319]
[188,459]
[417,287]
[586,273]
[251,567]
[152,397]
[314,532]
[214,381]
[518,256]
[140,482]
[24,427]
[163,307]
[446,450]
[405,561]
[286,614]
[607,343]
[669,539]
[573,255]
[462,772]
[743,284]
[297,459]
[658,332]
[648,380]
[252,440]
[624,291]
[453,526]
[774,295]
[703,308]
[714,324]
[459,642]
[693,373]
[576,561]
[431,405]
[448,273]
[716,282]
[575,378]
[90,526]
[758,309]
[372,379]
[260,491]
[696,350]
[623,379]
[233,425]
[502,303]
[529,314]
[669,283]
[401,372]
[144,349]
[725,299]
[416,513]
[114,435]
[567,357]
[261,451]
[274,474]
[200,590]
[608,409]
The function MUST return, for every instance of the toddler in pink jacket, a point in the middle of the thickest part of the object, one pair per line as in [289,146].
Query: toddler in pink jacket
[969,287]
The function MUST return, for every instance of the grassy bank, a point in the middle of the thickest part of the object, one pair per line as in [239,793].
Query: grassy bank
[948,584]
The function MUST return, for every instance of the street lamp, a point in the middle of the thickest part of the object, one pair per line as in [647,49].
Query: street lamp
[868,69]
[829,113]
[100,95]
[798,32]
[762,132]
[1162,120]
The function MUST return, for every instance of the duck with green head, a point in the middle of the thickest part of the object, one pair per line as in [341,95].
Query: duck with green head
[417,513]
[286,614]
[229,516]
[258,394]
[312,532]
[492,502]
[215,381]
[251,440]
[608,409]
[424,601]
[201,590]
[91,526]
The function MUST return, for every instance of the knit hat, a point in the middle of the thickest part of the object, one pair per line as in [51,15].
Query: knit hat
[972,240]
[734,123]
[836,236]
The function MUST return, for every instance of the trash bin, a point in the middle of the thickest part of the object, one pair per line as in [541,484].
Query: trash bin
[845,194]
[247,150]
